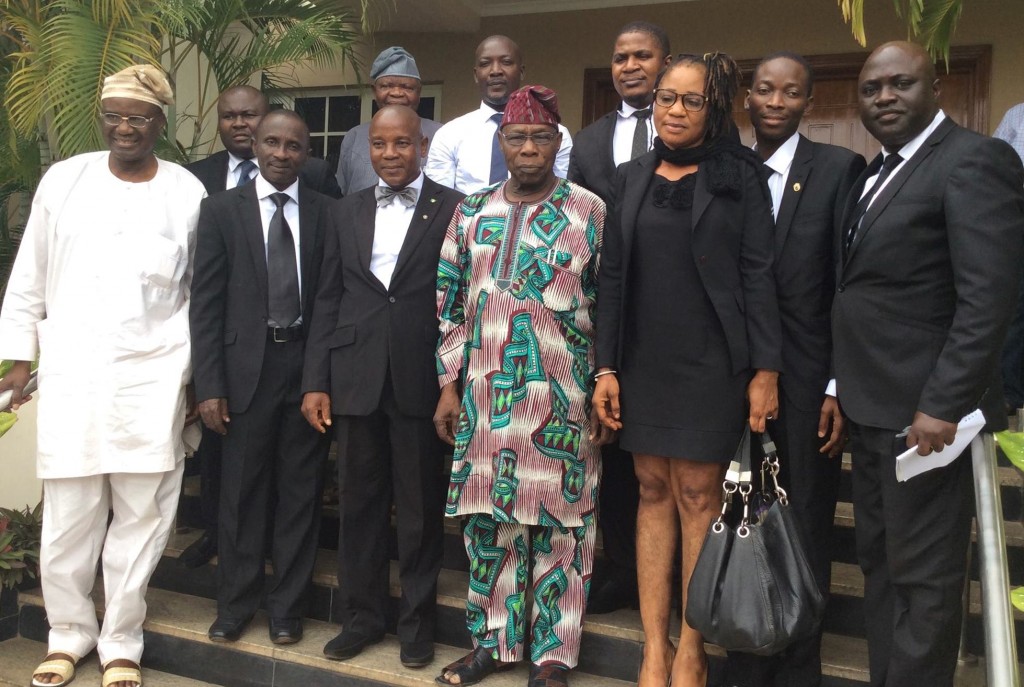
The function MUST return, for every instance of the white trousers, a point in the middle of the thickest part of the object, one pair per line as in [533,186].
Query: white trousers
[75,533]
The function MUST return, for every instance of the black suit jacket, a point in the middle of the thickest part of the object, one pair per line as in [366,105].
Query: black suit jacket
[819,181]
[926,292]
[228,311]
[362,330]
[591,163]
[213,172]
[733,254]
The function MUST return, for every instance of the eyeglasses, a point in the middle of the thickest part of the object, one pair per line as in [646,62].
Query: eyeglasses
[134,121]
[541,140]
[692,102]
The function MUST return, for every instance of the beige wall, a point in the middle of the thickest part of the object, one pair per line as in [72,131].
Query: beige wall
[558,46]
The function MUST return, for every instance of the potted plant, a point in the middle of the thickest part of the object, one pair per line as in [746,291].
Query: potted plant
[20,531]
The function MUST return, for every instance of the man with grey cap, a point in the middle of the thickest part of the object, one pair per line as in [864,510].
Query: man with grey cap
[396,81]
[99,292]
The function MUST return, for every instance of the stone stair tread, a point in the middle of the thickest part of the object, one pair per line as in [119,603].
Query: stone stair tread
[189,617]
[20,656]
[1014,530]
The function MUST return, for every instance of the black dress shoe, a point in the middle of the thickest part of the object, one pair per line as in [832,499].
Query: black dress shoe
[285,630]
[611,595]
[416,654]
[200,551]
[227,629]
[349,644]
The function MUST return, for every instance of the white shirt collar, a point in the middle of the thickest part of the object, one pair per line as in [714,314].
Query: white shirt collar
[914,144]
[234,161]
[416,183]
[782,159]
[626,110]
[264,189]
[486,111]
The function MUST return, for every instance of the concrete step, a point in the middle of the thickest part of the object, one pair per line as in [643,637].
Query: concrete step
[176,641]
[20,656]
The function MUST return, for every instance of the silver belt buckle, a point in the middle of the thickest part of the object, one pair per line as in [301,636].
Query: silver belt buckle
[277,340]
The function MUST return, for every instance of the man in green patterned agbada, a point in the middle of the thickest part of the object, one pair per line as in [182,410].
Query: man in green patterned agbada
[516,288]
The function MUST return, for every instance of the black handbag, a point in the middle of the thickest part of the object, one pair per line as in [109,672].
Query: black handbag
[752,589]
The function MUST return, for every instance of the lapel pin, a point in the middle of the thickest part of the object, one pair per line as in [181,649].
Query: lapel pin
[433,200]
[797,187]
[424,216]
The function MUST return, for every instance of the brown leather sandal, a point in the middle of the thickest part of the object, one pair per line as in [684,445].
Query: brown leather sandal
[550,675]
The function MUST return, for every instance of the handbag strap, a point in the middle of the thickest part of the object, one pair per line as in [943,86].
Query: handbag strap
[737,478]
[770,466]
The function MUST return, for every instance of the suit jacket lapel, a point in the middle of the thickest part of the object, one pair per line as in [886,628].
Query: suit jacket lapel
[366,222]
[309,217]
[607,161]
[220,182]
[422,217]
[701,198]
[791,195]
[633,195]
[252,228]
[896,183]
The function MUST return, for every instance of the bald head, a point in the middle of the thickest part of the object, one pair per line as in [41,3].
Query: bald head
[396,145]
[498,69]
[239,111]
[898,93]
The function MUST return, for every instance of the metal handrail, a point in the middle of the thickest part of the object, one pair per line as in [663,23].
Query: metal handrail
[1000,644]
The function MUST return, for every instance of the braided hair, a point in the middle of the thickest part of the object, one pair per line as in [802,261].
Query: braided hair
[721,83]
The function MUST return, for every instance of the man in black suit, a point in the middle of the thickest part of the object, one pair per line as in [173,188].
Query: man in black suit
[239,111]
[370,365]
[641,51]
[809,183]
[931,246]
[256,270]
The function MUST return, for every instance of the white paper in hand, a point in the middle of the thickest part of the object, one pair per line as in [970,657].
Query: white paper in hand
[911,464]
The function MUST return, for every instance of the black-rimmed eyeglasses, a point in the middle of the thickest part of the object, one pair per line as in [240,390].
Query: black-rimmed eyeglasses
[134,121]
[692,102]
[518,140]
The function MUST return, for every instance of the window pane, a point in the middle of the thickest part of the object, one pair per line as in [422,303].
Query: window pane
[426,108]
[333,151]
[313,110]
[316,143]
[344,112]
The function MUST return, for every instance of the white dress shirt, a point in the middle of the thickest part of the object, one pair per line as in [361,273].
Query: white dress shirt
[780,163]
[233,161]
[906,152]
[622,136]
[460,153]
[264,189]
[390,227]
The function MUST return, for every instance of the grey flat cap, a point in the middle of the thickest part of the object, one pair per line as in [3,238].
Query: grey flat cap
[394,61]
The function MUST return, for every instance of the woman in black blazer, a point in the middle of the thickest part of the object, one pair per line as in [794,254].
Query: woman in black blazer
[688,330]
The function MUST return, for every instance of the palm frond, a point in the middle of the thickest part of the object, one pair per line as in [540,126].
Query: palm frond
[853,14]
[938,24]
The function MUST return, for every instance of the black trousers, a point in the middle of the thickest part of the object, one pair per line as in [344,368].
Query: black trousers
[271,478]
[811,480]
[618,500]
[912,540]
[209,455]
[383,458]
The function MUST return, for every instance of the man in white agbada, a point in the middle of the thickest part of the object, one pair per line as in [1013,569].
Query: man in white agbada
[99,292]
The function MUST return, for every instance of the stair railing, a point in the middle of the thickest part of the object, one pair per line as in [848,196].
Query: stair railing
[1000,644]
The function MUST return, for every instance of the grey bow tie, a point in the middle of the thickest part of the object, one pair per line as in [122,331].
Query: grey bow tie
[385,194]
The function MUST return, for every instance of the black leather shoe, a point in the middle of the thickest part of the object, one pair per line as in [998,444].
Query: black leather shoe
[349,644]
[285,630]
[200,551]
[227,629]
[416,654]
[611,595]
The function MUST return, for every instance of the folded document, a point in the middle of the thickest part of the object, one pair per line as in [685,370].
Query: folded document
[911,464]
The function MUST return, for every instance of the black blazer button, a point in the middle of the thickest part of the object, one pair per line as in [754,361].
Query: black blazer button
[702,259]
[841,288]
[391,299]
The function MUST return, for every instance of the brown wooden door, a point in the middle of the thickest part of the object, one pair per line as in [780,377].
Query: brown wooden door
[834,118]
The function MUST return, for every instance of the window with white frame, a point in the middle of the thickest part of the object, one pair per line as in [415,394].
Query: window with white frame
[331,112]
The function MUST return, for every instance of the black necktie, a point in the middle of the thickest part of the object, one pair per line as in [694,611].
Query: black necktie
[499,171]
[282,273]
[245,169]
[385,194]
[888,164]
[640,134]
